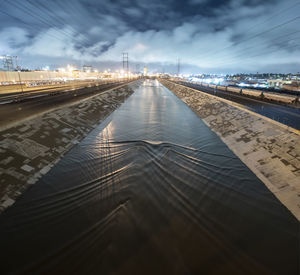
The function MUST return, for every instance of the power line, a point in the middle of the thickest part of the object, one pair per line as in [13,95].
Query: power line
[259,34]
[269,30]
[267,51]
[274,15]
[277,26]
[39,18]
[30,25]
[125,62]
[246,50]
[264,32]
[47,11]
[44,22]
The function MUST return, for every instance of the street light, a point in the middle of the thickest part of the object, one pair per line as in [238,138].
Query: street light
[20,81]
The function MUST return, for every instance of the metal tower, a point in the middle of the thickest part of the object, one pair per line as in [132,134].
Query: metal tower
[125,63]
[7,62]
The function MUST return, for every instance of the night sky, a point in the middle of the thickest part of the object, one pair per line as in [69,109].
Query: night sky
[208,36]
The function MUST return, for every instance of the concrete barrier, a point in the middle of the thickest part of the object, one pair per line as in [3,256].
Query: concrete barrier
[15,77]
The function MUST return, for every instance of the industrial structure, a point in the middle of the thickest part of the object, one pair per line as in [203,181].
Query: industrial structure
[125,63]
[8,63]
[87,68]
[145,70]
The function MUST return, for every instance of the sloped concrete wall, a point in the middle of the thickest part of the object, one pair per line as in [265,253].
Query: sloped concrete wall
[31,148]
[271,150]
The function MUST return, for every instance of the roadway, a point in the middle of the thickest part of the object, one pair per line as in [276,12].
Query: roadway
[287,115]
[18,107]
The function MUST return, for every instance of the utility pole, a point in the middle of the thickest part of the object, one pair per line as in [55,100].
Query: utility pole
[16,59]
[20,81]
[125,63]
[18,69]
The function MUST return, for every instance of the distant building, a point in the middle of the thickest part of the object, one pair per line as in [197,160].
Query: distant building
[278,83]
[7,62]
[87,68]
[145,71]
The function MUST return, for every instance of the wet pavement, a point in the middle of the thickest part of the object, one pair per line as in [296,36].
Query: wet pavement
[152,190]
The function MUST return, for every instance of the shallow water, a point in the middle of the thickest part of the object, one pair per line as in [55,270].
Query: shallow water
[152,190]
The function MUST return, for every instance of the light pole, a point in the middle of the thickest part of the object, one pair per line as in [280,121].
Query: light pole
[20,81]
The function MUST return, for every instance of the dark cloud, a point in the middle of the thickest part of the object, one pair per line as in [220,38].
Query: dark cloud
[219,36]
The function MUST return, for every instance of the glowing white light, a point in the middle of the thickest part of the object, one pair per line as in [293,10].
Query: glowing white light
[207,80]
[70,68]
[243,84]
[218,80]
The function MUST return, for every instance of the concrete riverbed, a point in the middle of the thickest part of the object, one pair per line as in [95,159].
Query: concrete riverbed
[151,190]
[270,149]
[31,147]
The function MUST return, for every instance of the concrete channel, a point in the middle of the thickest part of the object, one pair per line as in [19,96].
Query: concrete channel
[35,134]
[151,190]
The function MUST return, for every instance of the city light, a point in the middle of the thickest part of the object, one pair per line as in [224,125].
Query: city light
[70,68]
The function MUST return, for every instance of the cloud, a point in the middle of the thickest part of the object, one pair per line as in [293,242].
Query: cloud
[217,36]
[12,38]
